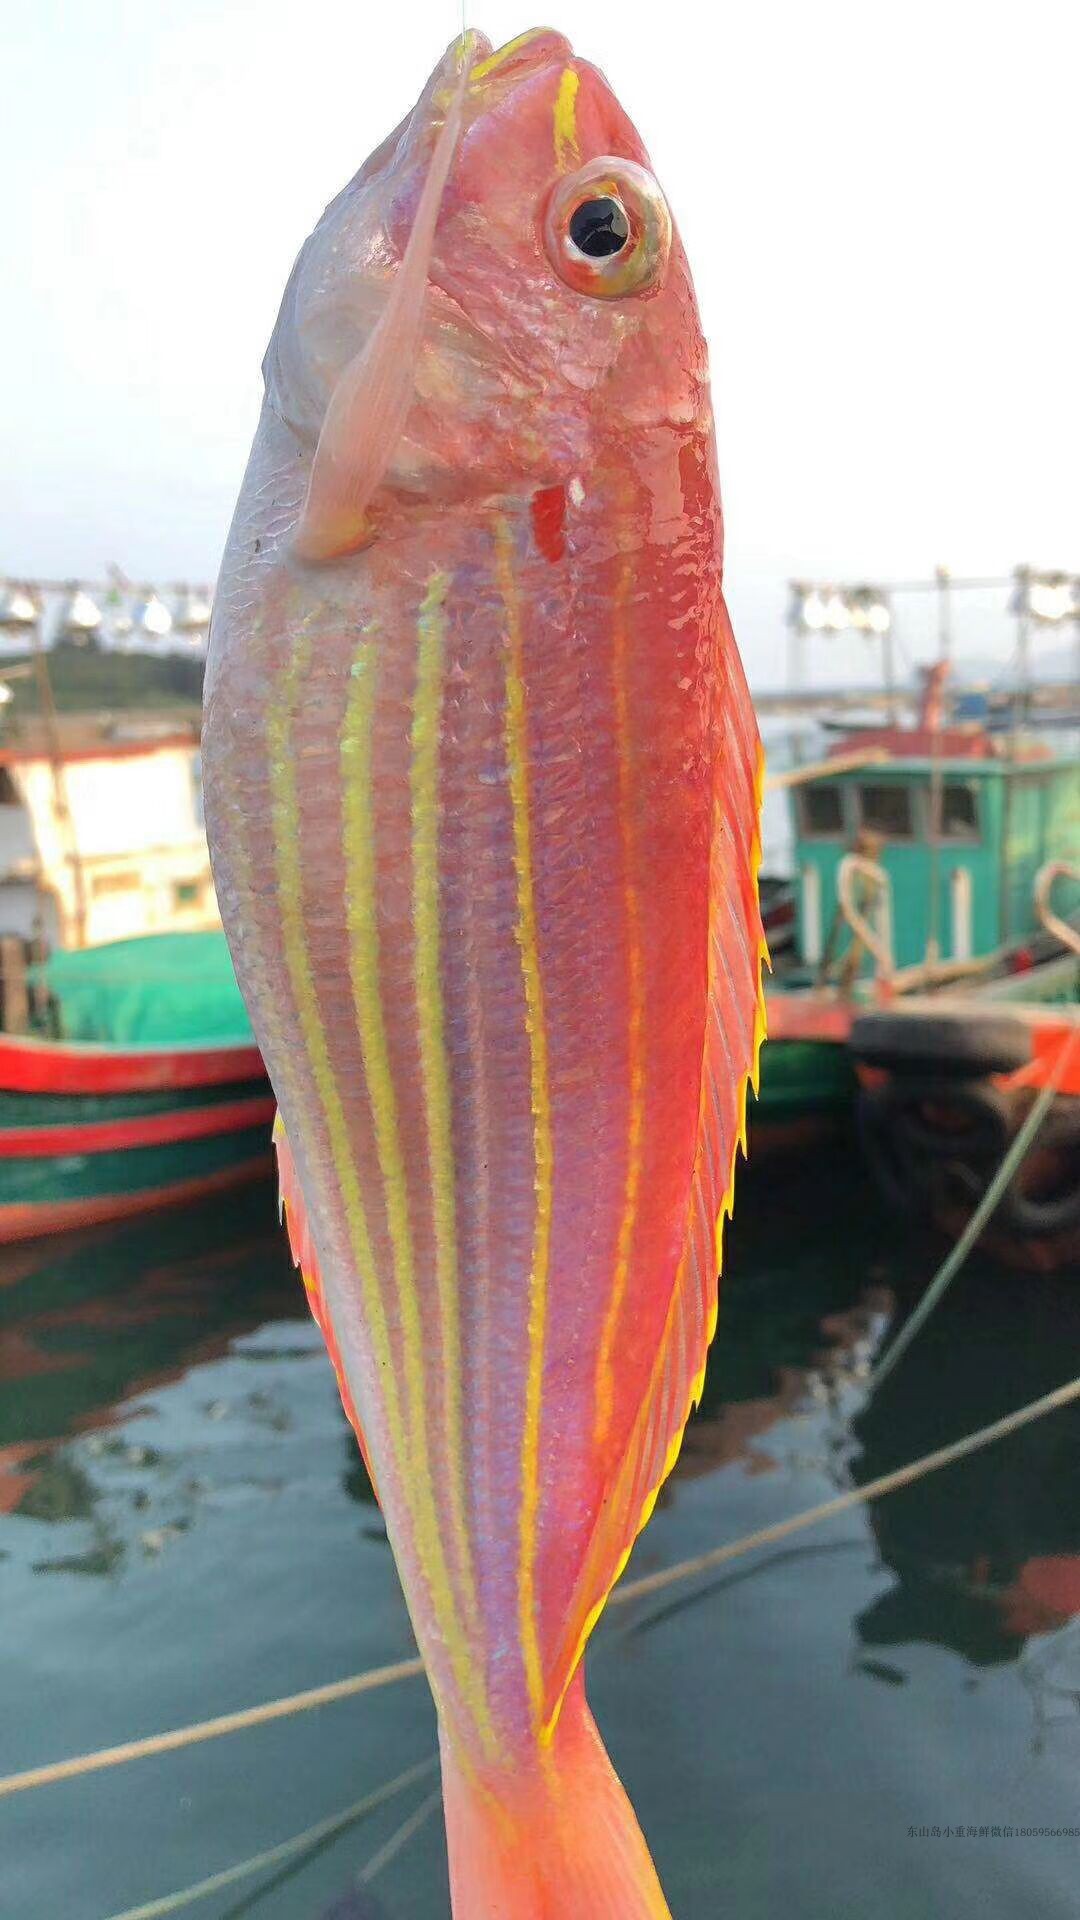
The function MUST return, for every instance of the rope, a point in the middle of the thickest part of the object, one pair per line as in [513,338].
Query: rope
[854,1497]
[311,1836]
[376,1677]
[368,1682]
[398,1839]
[950,1267]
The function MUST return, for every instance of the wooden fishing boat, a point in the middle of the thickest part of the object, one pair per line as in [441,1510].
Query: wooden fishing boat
[916,857]
[142,1087]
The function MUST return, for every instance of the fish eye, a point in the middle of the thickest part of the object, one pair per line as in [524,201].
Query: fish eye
[607,229]
[599,228]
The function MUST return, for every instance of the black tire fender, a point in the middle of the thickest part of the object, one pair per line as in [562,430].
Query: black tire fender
[946,1044]
[892,1167]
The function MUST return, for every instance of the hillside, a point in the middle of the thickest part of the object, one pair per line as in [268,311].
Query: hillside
[90,679]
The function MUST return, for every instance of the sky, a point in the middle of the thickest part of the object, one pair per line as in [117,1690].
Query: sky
[878,204]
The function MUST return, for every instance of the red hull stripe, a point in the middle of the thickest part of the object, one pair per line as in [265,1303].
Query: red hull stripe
[47,1066]
[31,1220]
[142,1130]
[809,1016]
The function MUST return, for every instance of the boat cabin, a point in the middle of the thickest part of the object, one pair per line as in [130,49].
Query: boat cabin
[957,893]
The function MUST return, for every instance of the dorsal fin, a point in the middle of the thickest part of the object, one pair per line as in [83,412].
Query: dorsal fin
[734,1030]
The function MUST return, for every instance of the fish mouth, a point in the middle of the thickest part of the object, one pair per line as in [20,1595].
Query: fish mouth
[493,72]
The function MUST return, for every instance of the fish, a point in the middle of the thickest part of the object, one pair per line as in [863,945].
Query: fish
[482,786]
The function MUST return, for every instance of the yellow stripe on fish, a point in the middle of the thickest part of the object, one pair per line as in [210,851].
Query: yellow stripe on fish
[285,814]
[502,54]
[434,1064]
[567,151]
[527,936]
[635,970]
[365,976]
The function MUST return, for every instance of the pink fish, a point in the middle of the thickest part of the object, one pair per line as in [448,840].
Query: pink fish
[482,785]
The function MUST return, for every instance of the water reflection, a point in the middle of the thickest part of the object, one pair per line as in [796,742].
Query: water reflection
[984,1555]
[192,1529]
[987,1552]
[88,1323]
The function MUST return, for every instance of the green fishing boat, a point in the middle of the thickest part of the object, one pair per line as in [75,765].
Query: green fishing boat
[916,855]
[136,1084]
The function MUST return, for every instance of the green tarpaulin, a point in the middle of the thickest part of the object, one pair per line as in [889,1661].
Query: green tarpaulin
[163,989]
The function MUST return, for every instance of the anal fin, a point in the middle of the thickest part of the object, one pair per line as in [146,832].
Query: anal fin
[302,1248]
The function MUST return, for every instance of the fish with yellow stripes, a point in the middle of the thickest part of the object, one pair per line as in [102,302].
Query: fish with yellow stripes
[482,786]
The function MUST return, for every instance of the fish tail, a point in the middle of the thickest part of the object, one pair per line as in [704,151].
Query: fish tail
[556,1841]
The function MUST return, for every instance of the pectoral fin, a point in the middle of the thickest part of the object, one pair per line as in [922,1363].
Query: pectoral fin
[368,407]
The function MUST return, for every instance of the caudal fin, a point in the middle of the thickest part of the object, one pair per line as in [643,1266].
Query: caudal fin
[557,1842]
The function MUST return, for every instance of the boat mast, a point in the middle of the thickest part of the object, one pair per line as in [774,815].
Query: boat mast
[60,792]
[935,714]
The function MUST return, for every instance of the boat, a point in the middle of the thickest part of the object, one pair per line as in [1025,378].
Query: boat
[947,1082]
[135,1084]
[916,853]
[776,893]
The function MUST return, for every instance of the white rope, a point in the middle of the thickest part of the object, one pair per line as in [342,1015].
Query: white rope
[376,1677]
[398,1839]
[285,1850]
[367,1682]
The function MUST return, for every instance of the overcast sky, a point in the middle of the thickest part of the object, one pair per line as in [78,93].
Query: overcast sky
[879,204]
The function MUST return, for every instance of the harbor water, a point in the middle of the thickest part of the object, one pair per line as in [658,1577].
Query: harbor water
[880,1715]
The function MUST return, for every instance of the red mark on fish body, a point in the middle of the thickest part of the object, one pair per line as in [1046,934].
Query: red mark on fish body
[549,521]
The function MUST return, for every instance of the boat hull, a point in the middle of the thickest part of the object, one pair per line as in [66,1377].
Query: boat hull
[91,1134]
[944,1090]
[807,1079]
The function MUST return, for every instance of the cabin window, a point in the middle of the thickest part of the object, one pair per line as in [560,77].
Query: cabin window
[959,811]
[887,810]
[187,893]
[821,811]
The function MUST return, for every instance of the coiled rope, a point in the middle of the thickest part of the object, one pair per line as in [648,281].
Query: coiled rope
[375,1678]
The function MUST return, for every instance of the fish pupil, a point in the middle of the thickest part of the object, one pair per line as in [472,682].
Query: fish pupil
[599,228]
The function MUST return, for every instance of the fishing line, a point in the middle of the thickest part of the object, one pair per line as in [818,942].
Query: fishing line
[311,1837]
[375,1677]
[398,1839]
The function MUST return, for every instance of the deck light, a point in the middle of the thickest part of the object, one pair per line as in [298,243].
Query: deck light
[18,607]
[869,610]
[154,616]
[1048,598]
[192,610]
[81,613]
[823,609]
[815,611]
